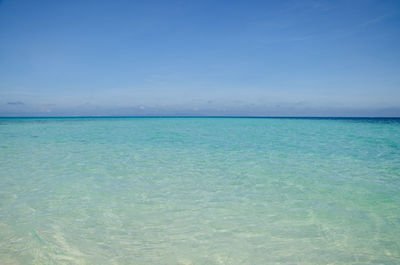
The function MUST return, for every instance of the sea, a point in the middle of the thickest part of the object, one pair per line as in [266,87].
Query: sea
[193,190]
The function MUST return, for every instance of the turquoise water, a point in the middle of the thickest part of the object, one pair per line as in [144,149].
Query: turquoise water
[199,191]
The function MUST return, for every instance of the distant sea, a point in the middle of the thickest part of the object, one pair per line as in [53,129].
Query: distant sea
[199,191]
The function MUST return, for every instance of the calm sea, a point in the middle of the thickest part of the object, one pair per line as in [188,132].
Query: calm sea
[199,191]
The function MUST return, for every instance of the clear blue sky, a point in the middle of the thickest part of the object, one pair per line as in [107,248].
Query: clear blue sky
[296,57]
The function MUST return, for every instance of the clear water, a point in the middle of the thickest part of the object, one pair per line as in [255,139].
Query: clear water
[199,191]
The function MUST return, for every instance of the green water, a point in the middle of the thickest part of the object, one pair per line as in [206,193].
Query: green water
[199,191]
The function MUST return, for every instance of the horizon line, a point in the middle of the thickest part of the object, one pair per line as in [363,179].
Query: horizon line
[205,116]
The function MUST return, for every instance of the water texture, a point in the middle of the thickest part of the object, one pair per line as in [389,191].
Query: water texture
[199,191]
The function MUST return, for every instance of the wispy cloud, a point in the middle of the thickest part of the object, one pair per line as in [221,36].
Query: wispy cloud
[374,20]
[15,103]
[322,5]
[289,40]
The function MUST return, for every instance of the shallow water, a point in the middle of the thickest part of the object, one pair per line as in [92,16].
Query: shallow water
[199,191]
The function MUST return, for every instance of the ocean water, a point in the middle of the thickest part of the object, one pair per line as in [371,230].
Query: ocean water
[199,191]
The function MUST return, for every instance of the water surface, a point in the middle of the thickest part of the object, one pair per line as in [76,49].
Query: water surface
[199,191]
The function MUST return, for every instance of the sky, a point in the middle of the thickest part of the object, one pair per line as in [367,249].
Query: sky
[215,58]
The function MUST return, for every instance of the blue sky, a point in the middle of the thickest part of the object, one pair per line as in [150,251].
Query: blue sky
[268,58]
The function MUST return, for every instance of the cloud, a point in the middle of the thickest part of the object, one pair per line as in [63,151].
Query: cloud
[15,103]
[374,20]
